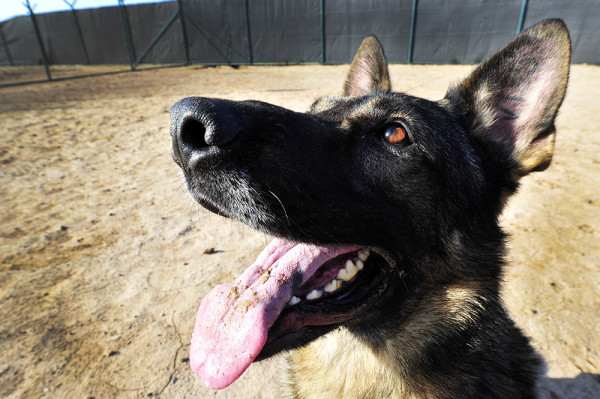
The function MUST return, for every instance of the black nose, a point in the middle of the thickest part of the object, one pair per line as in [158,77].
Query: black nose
[200,123]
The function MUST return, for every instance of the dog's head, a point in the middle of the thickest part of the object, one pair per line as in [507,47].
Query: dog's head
[370,194]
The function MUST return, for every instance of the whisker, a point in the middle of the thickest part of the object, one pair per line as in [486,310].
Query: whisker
[282,206]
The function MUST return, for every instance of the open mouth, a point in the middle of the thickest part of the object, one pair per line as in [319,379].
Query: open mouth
[290,289]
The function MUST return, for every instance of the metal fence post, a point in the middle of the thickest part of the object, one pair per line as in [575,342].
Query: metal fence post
[184,39]
[39,39]
[248,37]
[411,38]
[79,32]
[522,16]
[10,60]
[126,33]
[322,5]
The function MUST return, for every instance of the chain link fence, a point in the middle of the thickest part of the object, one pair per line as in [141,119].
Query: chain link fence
[275,32]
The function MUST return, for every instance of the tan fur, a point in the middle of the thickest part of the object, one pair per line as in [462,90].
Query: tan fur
[341,364]
[368,109]
[371,109]
[324,103]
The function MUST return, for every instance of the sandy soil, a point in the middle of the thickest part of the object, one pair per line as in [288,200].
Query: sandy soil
[104,258]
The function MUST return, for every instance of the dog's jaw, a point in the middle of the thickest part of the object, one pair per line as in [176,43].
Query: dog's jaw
[261,314]
[331,302]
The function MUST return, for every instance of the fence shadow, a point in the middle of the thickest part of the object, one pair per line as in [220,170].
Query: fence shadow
[584,386]
[28,75]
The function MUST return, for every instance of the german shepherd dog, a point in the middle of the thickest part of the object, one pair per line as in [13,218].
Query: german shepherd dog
[384,277]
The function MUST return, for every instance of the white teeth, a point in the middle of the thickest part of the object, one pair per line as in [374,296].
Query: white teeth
[363,254]
[350,269]
[343,275]
[314,294]
[359,264]
[348,273]
[333,285]
[293,300]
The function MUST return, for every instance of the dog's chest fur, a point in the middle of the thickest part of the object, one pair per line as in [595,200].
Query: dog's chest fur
[338,365]
[353,362]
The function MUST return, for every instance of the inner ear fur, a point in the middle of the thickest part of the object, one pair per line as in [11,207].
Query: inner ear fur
[369,70]
[513,98]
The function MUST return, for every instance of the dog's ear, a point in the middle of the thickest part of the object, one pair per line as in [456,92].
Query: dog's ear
[369,71]
[513,98]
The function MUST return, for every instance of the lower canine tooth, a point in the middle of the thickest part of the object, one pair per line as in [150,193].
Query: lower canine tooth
[314,294]
[293,300]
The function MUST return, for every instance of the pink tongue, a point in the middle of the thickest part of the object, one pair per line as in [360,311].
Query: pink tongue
[233,319]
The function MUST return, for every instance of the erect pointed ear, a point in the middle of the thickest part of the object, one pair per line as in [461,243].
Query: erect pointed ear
[369,71]
[513,98]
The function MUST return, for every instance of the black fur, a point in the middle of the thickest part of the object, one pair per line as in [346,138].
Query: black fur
[428,206]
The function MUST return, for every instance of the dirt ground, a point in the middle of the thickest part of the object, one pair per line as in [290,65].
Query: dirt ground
[104,258]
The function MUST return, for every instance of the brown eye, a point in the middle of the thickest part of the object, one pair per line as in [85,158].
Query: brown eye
[395,134]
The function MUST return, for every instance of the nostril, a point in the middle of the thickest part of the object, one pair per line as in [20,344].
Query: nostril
[192,134]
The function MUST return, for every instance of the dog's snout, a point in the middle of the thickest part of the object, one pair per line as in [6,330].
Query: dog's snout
[201,123]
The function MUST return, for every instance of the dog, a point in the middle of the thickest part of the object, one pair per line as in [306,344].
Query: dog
[384,277]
